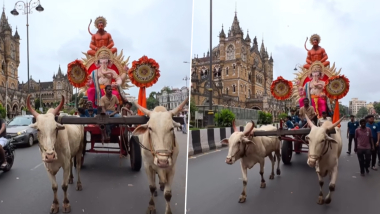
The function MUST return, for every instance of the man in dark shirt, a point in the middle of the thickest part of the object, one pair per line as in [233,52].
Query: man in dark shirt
[3,141]
[375,136]
[363,146]
[351,127]
[288,122]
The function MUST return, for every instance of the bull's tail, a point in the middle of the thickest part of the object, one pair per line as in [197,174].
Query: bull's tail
[93,34]
[305,44]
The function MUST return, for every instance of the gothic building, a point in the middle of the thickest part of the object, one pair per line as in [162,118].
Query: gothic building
[241,73]
[50,92]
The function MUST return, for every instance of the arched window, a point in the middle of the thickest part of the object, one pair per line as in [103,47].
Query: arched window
[234,88]
[230,52]
[227,71]
[226,90]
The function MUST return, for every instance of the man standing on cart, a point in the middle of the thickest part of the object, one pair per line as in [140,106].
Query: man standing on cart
[309,111]
[110,105]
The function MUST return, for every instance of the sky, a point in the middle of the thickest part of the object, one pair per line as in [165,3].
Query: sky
[347,28]
[57,36]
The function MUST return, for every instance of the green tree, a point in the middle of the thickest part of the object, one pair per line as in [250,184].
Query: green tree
[167,89]
[37,103]
[282,116]
[193,107]
[224,118]
[363,111]
[343,110]
[2,111]
[265,118]
[152,102]
[376,106]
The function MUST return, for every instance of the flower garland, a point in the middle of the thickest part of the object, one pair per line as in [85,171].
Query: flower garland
[77,74]
[337,87]
[281,88]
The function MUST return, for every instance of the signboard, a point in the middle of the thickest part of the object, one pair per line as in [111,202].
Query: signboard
[198,116]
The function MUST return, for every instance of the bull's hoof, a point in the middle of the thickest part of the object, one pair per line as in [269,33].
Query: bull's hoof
[242,199]
[320,200]
[79,187]
[271,177]
[327,200]
[71,180]
[54,208]
[151,210]
[155,193]
[168,211]
[263,185]
[162,187]
[66,208]
[278,172]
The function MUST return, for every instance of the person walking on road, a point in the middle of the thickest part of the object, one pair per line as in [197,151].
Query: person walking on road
[363,146]
[3,141]
[184,129]
[375,136]
[351,127]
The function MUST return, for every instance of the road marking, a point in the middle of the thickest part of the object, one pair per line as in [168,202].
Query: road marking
[206,153]
[36,166]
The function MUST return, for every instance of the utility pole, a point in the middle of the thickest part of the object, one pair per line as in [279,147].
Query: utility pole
[210,111]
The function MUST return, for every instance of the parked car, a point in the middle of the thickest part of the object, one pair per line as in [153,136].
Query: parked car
[18,128]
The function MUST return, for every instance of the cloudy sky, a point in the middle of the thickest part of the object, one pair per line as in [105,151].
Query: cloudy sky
[158,29]
[347,28]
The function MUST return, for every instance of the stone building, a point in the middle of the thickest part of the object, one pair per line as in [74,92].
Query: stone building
[50,92]
[241,73]
[10,61]
[170,99]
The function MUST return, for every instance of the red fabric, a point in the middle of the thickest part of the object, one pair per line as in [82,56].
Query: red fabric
[142,100]
[336,113]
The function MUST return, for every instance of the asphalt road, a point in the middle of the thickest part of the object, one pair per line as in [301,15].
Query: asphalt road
[215,187]
[107,186]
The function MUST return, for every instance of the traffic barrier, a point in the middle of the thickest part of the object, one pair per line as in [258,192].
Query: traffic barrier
[204,140]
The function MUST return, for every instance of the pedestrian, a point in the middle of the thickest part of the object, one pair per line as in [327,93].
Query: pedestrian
[363,146]
[375,136]
[3,141]
[351,127]
[184,129]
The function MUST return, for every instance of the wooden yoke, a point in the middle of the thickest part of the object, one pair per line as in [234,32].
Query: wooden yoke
[103,119]
[283,132]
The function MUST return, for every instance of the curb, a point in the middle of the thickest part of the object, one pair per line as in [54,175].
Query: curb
[204,140]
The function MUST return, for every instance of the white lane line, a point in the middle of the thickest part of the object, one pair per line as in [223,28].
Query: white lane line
[36,166]
[206,153]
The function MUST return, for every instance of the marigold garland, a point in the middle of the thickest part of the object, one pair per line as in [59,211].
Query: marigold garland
[77,74]
[337,87]
[281,88]
[135,73]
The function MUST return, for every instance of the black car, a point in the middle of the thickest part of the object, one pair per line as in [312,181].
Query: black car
[18,128]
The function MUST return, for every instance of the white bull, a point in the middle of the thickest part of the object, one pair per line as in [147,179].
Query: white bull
[58,145]
[324,153]
[161,150]
[252,150]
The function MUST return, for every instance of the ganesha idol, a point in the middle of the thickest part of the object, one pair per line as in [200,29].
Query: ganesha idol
[310,83]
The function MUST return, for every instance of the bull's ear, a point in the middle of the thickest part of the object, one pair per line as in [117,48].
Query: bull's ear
[175,124]
[224,141]
[247,141]
[60,127]
[140,130]
[332,140]
[33,125]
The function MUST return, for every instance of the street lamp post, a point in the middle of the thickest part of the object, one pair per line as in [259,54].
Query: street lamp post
[186,79]
[27,7]
[210,111]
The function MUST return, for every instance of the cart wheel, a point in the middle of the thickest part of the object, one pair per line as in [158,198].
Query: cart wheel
[135,153]
[83,154]
[287,151]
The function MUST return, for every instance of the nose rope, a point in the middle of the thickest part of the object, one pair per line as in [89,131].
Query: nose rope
[244,154]
[159,152]
[325,148]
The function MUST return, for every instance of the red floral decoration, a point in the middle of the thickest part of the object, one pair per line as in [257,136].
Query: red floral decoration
[337,87]
[144,72]
[77,74]
[281,88]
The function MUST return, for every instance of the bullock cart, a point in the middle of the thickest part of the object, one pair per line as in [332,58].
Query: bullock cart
[121,135]
[292,141]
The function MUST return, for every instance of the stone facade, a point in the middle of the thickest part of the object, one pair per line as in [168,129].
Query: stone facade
[50,92]
[241,74]
[174,98]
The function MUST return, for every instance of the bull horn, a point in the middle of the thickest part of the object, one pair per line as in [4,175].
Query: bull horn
[335,124]
[311,124]
[144,110]
[234,126]
[247,132]
[34,113]
[56,110]
[178,108]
